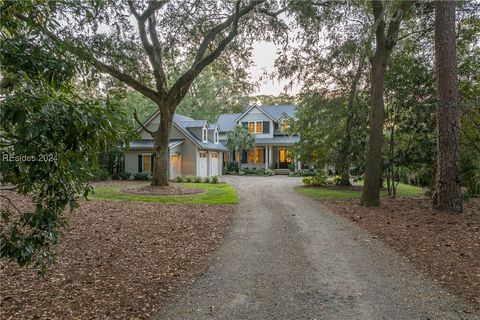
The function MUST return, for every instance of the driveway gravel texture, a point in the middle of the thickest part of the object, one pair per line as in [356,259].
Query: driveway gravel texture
[289,257]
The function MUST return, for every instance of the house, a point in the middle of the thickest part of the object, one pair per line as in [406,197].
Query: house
[268,126]
[198,147]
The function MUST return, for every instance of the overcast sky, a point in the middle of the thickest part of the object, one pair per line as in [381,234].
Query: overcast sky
[264,54]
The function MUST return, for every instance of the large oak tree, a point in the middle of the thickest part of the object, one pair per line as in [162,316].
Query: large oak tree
[157,48]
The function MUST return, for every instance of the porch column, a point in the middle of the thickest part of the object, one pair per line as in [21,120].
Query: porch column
[299,165]
[270,157]
[266,156]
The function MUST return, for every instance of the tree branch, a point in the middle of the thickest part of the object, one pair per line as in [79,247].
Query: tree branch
[135,116]
[394,24]
[152,52]
[181,86]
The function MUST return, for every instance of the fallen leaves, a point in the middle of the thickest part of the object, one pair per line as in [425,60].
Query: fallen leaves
[442,245]
[117,260]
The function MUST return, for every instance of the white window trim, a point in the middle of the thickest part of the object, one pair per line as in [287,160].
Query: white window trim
[205,134]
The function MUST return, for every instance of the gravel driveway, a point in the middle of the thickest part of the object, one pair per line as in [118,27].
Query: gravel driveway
[287,257]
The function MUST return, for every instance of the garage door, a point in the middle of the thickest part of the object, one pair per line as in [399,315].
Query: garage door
[202,164]
[214,165]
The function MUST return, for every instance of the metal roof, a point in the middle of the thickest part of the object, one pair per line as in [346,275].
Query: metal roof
[278,140]
[148,144]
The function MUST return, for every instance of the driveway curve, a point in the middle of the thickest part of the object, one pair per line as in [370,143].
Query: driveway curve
[288,257]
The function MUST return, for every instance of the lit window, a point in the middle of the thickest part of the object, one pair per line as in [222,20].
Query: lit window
[147,163]
[255,127]
[255,155]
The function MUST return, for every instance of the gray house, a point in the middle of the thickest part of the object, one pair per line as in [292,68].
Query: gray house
[198,147]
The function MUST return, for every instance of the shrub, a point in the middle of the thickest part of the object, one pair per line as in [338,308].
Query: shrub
[196,179]
[187,179]
[214,180]
[291,166]
[142,176]
[206,180]
[231,166]
[269,172]
[179,179]
[100,175]
[303,173]
[125,175]
[308,181]
[337,179]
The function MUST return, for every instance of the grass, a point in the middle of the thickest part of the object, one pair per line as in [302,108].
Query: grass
[220,193]
[327,193]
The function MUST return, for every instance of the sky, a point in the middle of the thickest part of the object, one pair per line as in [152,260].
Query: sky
[264,55]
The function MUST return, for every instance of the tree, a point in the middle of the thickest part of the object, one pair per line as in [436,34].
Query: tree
[238,140]
[448,195]
[385,41]
[179,40]
[51,136]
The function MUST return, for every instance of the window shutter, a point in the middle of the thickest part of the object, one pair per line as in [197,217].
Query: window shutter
[244,156]
[264,155]
[152,161]
[140,158]
[245,124]
[266,126]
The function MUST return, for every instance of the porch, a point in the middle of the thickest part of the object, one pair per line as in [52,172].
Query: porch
[266,156]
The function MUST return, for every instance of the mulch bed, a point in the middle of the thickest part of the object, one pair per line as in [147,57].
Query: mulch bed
[442,245]
[117,260]
[170,190]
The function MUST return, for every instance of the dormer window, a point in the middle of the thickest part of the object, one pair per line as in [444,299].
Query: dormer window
[205,134]
[215,136]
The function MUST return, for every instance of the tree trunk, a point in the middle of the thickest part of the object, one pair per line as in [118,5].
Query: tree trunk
[373,170]
[447,195]
[161,150]
[239,160]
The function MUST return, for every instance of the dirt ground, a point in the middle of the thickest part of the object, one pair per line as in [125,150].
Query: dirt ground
[117,260]
[442,245]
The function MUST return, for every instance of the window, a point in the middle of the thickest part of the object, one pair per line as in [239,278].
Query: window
[214,155]
[255,155]
[203,154]
[255,126]
[147,163]
[205,134]
[215,136]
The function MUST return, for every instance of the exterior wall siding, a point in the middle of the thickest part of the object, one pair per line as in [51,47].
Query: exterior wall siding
[257,115]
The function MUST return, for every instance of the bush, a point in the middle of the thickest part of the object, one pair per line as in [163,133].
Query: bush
[206,180]
[100,175]
[303,173]
[125,175]
[214,180]
[231,166]
[179,179]
[291,166]
[318,180]
[269,172]
[196,179]
[142,176]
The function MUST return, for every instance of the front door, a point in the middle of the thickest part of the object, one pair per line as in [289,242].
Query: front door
[202,164]
[283,160]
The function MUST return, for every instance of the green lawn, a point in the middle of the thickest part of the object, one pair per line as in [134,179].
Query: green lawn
[220,193]
[326,193]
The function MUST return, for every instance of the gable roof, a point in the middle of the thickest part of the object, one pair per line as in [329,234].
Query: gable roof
[250,108]
[227,121]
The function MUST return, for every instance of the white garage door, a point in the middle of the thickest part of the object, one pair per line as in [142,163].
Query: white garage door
[202,164]
[175,166]
[214,166]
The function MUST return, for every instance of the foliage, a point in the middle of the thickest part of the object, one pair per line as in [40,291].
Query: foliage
[239,139]
[206,180]
[51,135]
[215,193]
[214,180]
[142,176]
[100,175]
[230,167]
[318,180]
[303,173]
[257,172]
